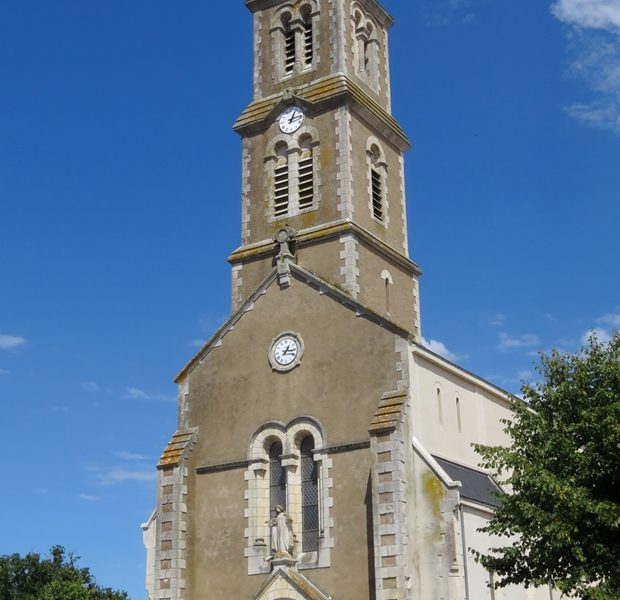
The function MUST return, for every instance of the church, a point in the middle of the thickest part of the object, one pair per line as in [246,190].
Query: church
[321,451]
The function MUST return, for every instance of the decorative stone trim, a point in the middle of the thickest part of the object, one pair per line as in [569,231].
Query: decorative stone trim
[237,286]
[257,531]
[258,53]
[170,537]
[349,256]
[389,499]
[344,163]
[246,189]
[403,204]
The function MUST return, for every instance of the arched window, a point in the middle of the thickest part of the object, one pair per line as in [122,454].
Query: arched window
[365,48]
[439,407]
[294,38]
[459,423]
[290,44]
[306,174]
[309,497]
[292,177]
[277,479]
[377,183]
[281,181]
[307,30]
[288,466]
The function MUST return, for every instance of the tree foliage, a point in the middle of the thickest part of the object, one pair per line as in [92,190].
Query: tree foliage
[58,577]
[562,516]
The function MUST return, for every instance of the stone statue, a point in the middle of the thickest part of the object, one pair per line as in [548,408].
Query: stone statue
[281,533]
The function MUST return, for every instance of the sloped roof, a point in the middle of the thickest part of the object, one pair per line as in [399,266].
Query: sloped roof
[387,415]
[176,447]
[477,486]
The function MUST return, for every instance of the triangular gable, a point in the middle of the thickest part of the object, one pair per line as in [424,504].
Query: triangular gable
[288,584]
[303,276]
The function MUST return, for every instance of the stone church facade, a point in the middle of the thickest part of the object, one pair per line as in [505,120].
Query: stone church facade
[321,451]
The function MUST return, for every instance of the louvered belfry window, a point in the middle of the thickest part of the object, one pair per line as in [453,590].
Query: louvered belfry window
[306,178]
[277,478]
[308,42]
[281,182]
[377,194]
[309,497]
[289,50]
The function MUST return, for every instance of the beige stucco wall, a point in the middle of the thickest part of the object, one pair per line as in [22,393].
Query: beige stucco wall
[235,390]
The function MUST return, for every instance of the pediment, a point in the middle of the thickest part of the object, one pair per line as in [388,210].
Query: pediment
[288,584]
[302,276]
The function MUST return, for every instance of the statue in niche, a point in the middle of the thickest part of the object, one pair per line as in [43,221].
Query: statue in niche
[281,533]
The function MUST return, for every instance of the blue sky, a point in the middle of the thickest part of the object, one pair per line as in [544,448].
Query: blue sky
[120,200]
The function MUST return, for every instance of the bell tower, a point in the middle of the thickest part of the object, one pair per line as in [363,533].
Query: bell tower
[323,156]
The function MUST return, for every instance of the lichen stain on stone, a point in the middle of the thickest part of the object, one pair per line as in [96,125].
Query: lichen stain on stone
[433,490]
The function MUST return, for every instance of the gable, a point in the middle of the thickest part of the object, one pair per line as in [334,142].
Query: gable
[231,381]
[288,584]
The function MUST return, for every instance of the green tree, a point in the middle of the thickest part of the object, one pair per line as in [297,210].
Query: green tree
[562,468]
[58,577]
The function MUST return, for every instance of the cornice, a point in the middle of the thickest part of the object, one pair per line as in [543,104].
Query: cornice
[265,248]
[325,92]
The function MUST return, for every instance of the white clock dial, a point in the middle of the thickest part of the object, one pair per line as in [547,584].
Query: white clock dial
[291,119]
[286,350]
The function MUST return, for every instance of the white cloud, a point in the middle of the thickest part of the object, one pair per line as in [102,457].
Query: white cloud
[131,456]
[134,393]
[439,13]
[11,341]
[498,320]
[525,375]
[122,475]
[197,343]
[525,341]
[112,475]
[91,386]
[602,335]
[439,348]
[594,42]
[4,372]
[613,320]
[88,498]
[592,14]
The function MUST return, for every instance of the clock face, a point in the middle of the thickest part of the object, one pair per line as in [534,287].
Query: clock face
[291,119]
[286,351]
